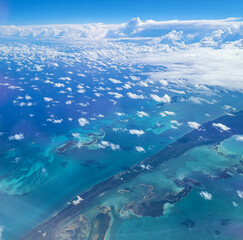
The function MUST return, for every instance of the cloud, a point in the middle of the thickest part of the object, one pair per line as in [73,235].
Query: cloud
[57,120]
[198,52]
[119,114]
[68,102]
[76,202]
[65,78]
[239,138]
[27,97]
[83,121]
[240,193]
[115,80]
[116,95]
[136,132]
[176,123]
[19,136]
[194,125]
[198,100]
[126,86]
[165,99]
[142,114]
[140,149]
[134,28]
[174,127]
[221,126]
[199,65]
[163,82]
[135,96]
[206,195]
[165,113]
[105,144]
[47,99]
[147,167]
[59,85]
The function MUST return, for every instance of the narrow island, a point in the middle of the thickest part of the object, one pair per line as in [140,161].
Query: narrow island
[207,134]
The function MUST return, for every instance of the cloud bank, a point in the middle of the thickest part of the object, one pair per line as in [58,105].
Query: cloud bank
[198,52]
[134,28]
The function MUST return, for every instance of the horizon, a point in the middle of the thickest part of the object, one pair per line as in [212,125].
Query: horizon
[134,28]
[226,19]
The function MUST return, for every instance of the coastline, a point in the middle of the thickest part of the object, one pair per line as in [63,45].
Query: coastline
[207,135]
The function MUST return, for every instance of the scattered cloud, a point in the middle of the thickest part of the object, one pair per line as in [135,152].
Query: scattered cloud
[221,126]
[199,52]
[165,99]
[240,193]
[19,136]
[136,132]
[47,99]
[140,149]
[167,113]
[206,195]
[194,125]
[105,144]
[116,95]
[83,121]
[115,80]
[76,202]
[135,96]
[142,114]
[239,138]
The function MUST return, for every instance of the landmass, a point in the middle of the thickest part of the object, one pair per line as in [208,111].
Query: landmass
[206,134]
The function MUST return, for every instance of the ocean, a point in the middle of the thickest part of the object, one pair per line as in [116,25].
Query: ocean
[68,126]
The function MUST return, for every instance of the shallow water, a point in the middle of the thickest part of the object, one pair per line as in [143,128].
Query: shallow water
[193,217]
[37,180]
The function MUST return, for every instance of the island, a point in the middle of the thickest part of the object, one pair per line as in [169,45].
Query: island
[208,133]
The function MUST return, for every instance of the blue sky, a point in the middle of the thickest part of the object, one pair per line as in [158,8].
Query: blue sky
[25,12]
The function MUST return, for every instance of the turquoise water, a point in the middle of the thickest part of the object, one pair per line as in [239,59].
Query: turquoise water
[207,217]
[193,217]
[36,180]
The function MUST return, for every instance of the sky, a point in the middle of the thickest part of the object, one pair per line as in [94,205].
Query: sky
[32,12]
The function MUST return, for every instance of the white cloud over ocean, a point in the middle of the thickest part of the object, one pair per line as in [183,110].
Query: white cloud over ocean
[197,52]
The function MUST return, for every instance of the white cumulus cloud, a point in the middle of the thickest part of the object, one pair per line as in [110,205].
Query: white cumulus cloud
[221,126]
[206,195]
[239,138]
[83,121]
[18,136]
[136,132]
[165,99]
[47,99]
[194,125]
[135,96]
[140,149]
